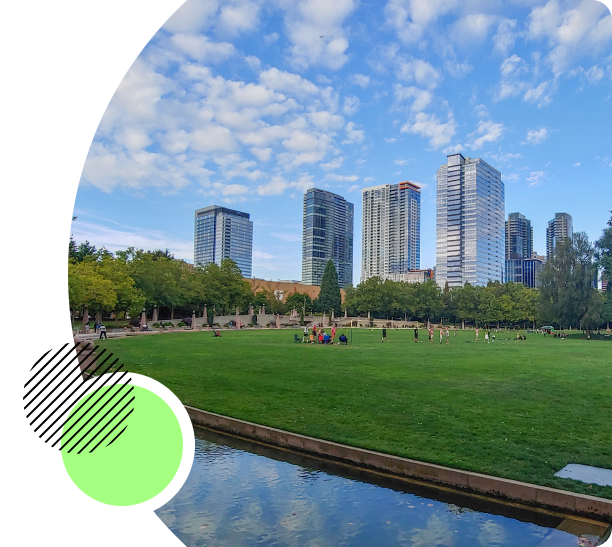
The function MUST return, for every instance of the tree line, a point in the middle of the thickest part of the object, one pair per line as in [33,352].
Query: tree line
[127,281]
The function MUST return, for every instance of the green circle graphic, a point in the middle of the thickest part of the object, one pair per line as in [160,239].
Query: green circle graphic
[136,466]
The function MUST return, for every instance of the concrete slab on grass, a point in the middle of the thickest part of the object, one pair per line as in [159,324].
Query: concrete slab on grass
[586,473]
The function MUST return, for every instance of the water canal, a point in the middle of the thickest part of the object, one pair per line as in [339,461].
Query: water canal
[241,493]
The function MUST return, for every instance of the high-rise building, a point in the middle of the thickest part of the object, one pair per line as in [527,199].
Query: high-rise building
[223,233]
[519,247]
[559,228]
[470,227]
[391,231]
[327,235]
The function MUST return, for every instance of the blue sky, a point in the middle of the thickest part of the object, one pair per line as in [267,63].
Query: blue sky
[244,104]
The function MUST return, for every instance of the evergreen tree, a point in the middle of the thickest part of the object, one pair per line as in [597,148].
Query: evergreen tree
[329,297]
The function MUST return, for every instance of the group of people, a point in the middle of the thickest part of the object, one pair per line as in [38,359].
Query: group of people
[444,332]
[319,336]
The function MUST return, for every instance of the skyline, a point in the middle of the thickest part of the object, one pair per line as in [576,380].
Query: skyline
[364,106]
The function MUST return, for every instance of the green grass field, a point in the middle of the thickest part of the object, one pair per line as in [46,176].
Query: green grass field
[520,410]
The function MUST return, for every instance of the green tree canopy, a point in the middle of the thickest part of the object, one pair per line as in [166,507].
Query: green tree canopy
[329,298]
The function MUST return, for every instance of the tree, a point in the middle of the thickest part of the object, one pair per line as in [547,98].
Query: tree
[603,247]
[329,298]
[568,296]
[298,301]
[87,288]
[130,299]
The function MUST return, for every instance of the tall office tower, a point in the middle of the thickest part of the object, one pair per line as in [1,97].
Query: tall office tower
[470,244]
[327,235]
[519,247]
[223,233]
[559,228]
[391,231]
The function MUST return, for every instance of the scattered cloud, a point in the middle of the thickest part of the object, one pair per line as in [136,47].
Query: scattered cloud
[487,131]
[341,178]
[369,179]
[512,176]
[536,178]
[354,135]
[287,236]
[401,162]
[536,136]
[361,80]
[334,164]
[351,105]
[577,164]
[391,140]
[354,187]
[429,126]
[453,149]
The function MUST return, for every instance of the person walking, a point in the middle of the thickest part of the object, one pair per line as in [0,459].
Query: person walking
[384,335]
[477,332]
[441,333]
[416,335]
[486,338]
[447,335]
[431,333]
[333,333]
[103,332]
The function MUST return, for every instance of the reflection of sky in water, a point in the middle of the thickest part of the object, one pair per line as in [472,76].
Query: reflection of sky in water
[235,498]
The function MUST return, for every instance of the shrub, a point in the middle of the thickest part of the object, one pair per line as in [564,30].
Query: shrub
[181,324]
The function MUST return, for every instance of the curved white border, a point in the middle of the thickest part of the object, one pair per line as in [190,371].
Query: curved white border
[188,444]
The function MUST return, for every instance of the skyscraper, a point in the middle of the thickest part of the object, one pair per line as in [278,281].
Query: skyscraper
[223,233]
[559,228]
[327,235]
[470,244]
[519,247]
[391,231]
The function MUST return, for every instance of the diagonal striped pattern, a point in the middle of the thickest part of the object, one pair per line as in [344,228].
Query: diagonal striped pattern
[73,414]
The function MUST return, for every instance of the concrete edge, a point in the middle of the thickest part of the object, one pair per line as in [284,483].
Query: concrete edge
[506,489]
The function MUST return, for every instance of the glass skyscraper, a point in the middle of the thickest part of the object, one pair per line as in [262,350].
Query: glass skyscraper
[470,238]
[558,228]
[223,233]
[391,230]
[519,247]
[327,235]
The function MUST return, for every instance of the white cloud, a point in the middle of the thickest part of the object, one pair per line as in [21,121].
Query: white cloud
[449,150]
[536,178]
[306,21]
[505,157]
[536,136]
[351,105]
[474,27]
[262,154]
[574,30]
[421,98]
[429,126]
[200,48]
[577,164]
[369,179]
[481,111]
[354,187]
[400,162]
[506,36]
[487,131]
[336,163]
[273,188]
[341,178]
[192,17]
[360,79]
[419,71]
[512,176]
[240,16]
[353,134]
[410,18]
[391,140]
[261,255]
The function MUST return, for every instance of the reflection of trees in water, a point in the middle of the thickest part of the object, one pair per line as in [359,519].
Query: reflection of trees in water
[458,510]
[309,475]
[211,453]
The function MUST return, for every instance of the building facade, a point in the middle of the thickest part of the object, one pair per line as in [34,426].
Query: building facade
[391,230]
[558,228]
[520,267]
[470,227]
[327,235]
[223,233]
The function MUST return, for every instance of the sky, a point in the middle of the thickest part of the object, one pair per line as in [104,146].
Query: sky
[249,103]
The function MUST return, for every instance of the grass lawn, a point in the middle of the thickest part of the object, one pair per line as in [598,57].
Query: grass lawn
[520,410]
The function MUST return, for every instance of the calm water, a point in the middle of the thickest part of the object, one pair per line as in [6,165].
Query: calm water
[242,494]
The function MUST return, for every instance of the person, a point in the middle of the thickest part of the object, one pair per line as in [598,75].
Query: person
[447,335]
[384,335]
[320,337]
[416,335]
[441,333]
[311,338]
[343,339]
[486,338]
[305,333]
[333,333]
[86,328]
[431,333]
[327,339]
[314,330]
[518,335]
[455,333]
[477,332]
[103,332]
[216,334]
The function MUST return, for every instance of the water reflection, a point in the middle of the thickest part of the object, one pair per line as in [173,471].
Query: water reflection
[241,494]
